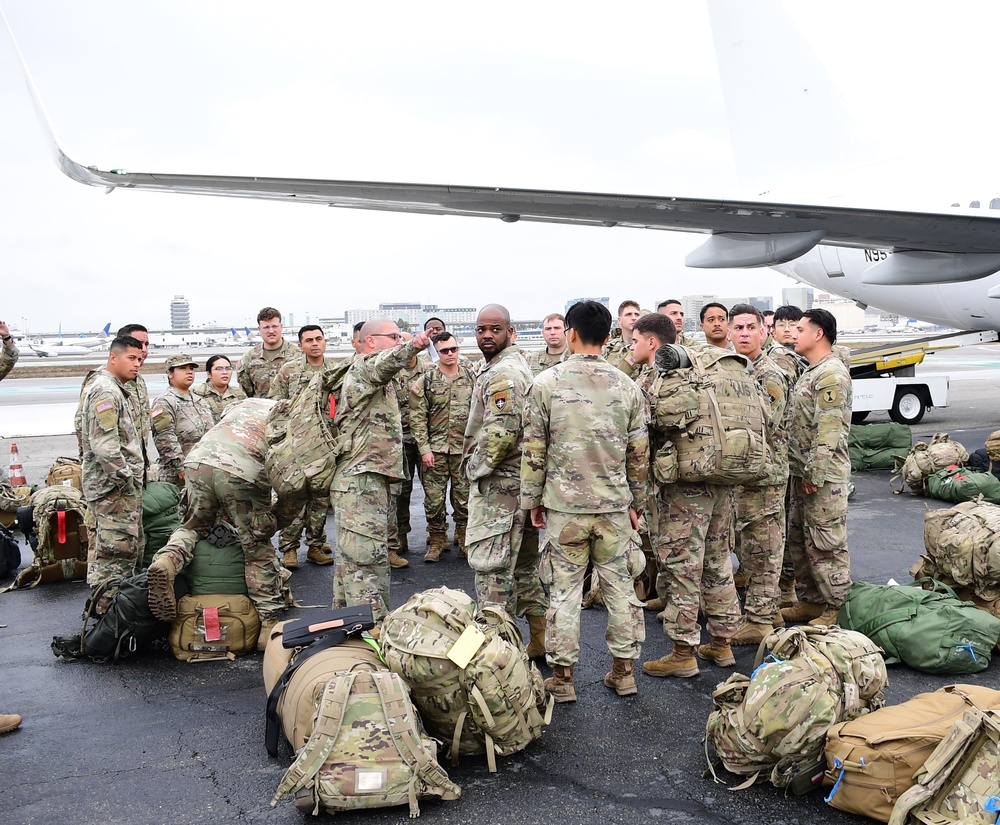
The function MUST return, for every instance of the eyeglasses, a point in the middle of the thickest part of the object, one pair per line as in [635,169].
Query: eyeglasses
[447,350]
[395,336]
[268,327]
[222,369]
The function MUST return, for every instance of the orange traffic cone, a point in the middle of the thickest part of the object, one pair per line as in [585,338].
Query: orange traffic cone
[16,470]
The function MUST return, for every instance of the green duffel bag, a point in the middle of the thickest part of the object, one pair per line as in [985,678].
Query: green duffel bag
[958,484]
[159,516]
[218,567]
[930,630]
[876,446]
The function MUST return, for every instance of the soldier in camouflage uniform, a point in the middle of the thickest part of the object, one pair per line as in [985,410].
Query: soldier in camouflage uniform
[618,350]
[259,366]
[9,353]
[780,345]
[504,575]
[674,310]
[819,419]
[369,421]
[760,509]
[113,469]
[715,324]
[402,491]
[584,474]
[216,392]
[179,419]
[556,350]
[293,376]
[439,401]
[224,479]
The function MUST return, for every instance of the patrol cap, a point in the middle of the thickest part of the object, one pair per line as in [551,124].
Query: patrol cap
[180,361]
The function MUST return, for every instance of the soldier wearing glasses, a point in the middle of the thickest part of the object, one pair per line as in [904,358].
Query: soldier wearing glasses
[216,392]
[261,364]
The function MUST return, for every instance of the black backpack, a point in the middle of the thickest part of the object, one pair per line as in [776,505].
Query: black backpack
[10,553]
[126,626]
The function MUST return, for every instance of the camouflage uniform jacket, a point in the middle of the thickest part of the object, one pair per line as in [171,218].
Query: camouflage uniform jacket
[236,445]
[256,372]
[586,446]
[542,359]
[439,410]
[619,354]
[216,401]
[495,431]
[368,415]
[404,380]
[786,359]
[179,420]
[8,357]
[774,383]
[112,454]
[293,377]
[818,420]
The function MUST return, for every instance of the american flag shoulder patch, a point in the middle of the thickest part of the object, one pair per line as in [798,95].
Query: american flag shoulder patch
[104,406]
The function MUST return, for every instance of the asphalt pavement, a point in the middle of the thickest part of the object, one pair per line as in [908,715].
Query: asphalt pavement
[154,740]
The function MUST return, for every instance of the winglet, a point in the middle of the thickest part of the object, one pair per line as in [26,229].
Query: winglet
[106,331]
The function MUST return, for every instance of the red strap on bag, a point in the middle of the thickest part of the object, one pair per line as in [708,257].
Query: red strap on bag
[61,526]
[212,631]
[333,407]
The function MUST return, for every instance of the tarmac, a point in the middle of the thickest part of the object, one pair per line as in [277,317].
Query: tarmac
[155,740]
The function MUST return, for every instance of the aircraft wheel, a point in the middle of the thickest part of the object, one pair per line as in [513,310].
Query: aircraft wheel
[908,408]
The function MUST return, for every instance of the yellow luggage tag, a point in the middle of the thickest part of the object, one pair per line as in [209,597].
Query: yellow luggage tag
[465,647]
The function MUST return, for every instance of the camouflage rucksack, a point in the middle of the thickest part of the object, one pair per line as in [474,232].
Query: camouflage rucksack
[926,459]
[480,694]
[715,416]
[776,719]
[57,535]
[962,547]
[993,445]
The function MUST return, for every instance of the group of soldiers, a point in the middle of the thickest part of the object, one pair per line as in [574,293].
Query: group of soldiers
[565,439]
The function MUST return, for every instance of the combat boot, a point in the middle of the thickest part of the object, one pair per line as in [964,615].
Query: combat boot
[718,651]
[827,618]
[740,579]
[317,556]
[436,543]
[560,683]
[803,612]
[460,541]
[750,633]
[622,677]
[536,644]
[681,662]
[396,560]
[655,605]
[777,621]
[9,722]
[290,559]
[789,598]
[160,578]
[265,633]
[404,545]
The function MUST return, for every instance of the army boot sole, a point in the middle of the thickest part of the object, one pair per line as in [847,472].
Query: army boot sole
[162,602]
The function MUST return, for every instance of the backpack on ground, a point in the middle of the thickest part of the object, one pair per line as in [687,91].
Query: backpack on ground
[980,461]
[878,446]
[66,472]
[304,440]
[871,760]
[927,459]
[217,565]
[57,536]
[958,484]
[932,631]
[962,548]
[10,553]
[993,446]
[126,625]
[958,782]
[214,627]
[468,672]
[775,721]
[715,415]
[160,516]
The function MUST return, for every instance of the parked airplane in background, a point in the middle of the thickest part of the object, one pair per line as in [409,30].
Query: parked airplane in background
[941,267]
[82,345]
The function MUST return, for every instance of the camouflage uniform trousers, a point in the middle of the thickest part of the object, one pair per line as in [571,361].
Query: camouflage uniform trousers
[399,510]
[604,540]
[447,467]
[694,543]
[817,540]
[213,494]
[760,545]
[361,506]
[311,518]
[114,527]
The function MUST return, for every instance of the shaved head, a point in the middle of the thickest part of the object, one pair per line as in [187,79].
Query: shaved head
[496,311]
[379,334]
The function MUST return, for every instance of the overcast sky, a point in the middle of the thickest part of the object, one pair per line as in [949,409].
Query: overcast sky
[578,96]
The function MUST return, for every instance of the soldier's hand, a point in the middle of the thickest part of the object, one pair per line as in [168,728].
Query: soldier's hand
[4,329]
[421,340]
[538,517]
[809,489]
[427,459]
[633,516]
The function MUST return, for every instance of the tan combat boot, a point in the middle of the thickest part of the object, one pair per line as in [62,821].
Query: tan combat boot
[436,543]
[290,559]
[750,633]
[655,605]
[160,578]
[9,722]
[681,662]
[460,540]
[803,612]
[560,683]
[396,560]
[536,644]
[317,556]
[718,651]
[265,634]
[622,677]
[789,598]
[740,579]
[404,545]
[777,621]
[827,618]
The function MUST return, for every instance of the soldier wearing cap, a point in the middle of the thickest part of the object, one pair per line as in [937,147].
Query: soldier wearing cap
[178,419]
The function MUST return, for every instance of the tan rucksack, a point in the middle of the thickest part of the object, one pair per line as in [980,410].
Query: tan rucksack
[962,547]
[993,446]
[58,538]
[925,460]
[214,627]
[871,760]
[65,472]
